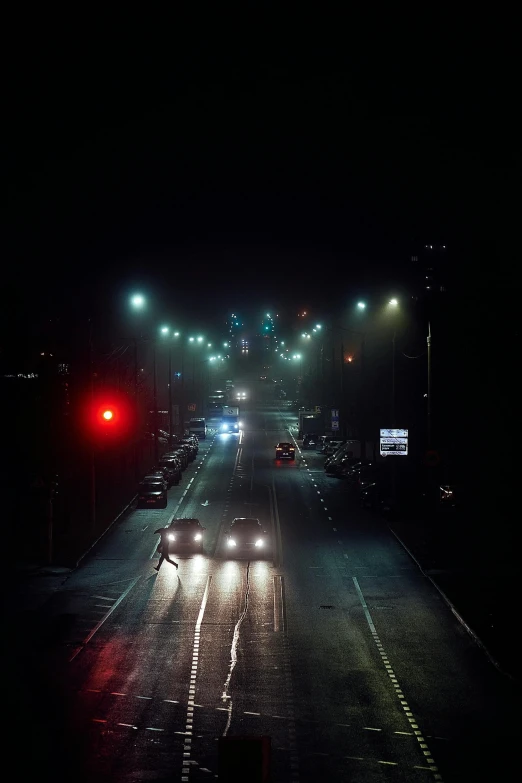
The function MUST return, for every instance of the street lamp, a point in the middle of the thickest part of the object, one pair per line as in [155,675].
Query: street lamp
[138,301]
[361,305]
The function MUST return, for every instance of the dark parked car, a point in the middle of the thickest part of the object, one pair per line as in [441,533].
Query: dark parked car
[185,534]
[152,494]
[166,472]
[310,440]
[173,465]
[156,476]
[246,534]
[180,454]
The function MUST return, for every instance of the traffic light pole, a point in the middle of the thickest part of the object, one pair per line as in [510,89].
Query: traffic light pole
[93,461]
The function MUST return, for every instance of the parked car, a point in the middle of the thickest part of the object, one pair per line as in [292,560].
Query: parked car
[246,534]
[339,467]
[185,533]
[337,454]
[152,494]
[332,447]
[310,440]
[285,450]
[166,471]
[180,454]
[192,441]
[172,464]
[156,476]
[351,471]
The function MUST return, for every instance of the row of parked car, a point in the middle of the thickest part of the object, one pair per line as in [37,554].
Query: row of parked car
[152,489]
[407,493]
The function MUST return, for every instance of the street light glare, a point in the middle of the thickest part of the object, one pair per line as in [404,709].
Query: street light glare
[393,302]
[318,326]
[191,339]
[361,305]
[138,300]
[176,334]
[164,329]
[200,339]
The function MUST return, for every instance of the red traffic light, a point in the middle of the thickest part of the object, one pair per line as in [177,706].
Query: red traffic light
[109,417]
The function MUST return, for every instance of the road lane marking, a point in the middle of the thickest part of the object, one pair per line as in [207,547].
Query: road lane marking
[103,619]
[233,654]
[423,747]
[278,602]
[276,525]
[190,703]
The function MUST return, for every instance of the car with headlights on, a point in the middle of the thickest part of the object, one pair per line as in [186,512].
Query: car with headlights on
[285,450]
[152,494]
[185,534]
[246,534]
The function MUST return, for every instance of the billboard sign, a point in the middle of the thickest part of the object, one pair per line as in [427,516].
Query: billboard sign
[393,443]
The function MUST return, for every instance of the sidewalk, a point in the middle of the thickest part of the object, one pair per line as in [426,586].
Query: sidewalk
[481,592]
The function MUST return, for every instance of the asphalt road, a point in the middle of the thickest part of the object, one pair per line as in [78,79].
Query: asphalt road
[333,644]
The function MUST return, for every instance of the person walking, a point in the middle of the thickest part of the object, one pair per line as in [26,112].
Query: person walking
[164,548]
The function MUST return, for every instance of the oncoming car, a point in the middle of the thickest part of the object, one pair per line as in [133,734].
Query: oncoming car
[185,534]
[246,534]
[285,451]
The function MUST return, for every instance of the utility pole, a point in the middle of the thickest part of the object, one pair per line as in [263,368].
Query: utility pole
[393,382]
[170,395]
[362,407]
[393,464]
[182,400]
[93,455]
[344,408]
[137,435]
[428,340]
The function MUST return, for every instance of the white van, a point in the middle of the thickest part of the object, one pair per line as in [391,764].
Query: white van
[198,427]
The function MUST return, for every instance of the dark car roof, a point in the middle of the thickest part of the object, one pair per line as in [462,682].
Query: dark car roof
[152,483]
[284,443]
[185,523]
[245,522]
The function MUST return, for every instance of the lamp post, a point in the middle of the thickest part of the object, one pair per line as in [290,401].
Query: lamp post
[428,341]
[138,303]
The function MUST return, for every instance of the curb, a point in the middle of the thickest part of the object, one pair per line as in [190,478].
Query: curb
[122,512]
[478,641]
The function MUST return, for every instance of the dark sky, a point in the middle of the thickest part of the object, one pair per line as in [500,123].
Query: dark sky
[211,174]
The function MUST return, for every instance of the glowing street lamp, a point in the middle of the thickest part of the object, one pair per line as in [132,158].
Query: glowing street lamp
[361,305]
[138,301]
[393,302]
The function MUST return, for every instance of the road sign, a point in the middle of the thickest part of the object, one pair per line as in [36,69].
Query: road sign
[335,418]
[393,442]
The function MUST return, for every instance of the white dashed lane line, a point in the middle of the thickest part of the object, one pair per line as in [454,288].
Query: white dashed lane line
[423,746]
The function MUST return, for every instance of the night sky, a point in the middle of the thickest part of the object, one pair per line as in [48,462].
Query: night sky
[210,175]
